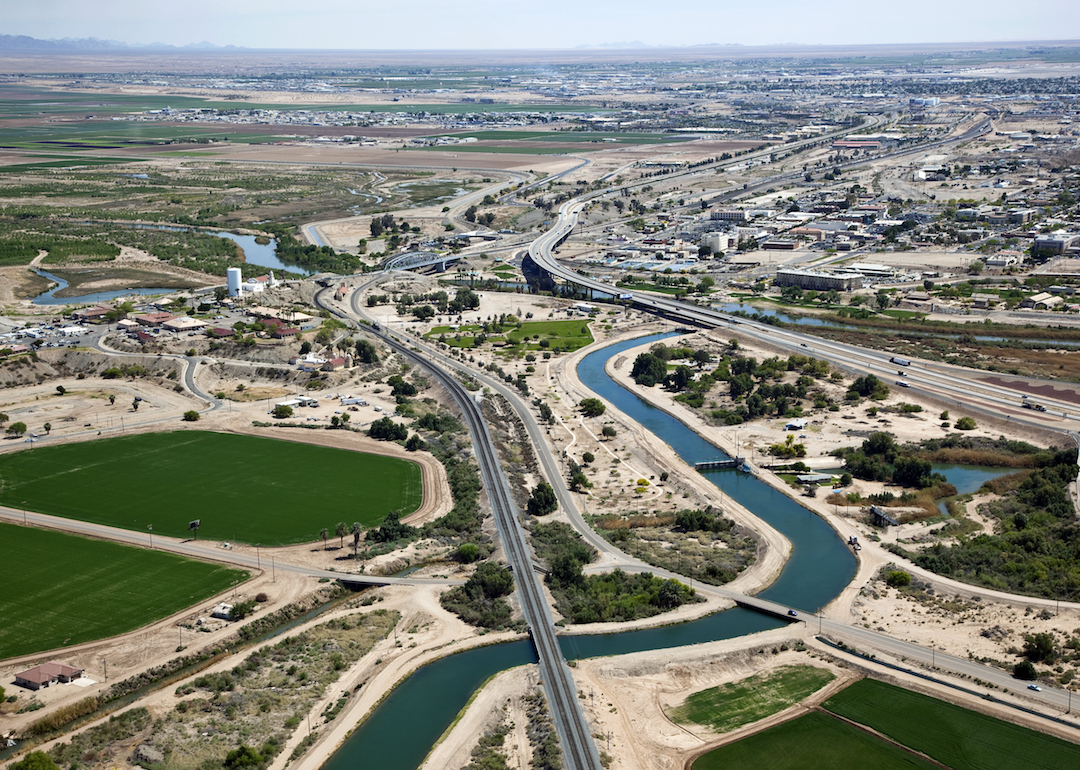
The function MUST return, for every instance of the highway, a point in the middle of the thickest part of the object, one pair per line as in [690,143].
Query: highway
[579,751]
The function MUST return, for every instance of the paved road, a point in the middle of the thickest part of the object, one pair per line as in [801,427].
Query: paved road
[579,750]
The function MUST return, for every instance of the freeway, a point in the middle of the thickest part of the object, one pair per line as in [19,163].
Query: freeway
[579,751]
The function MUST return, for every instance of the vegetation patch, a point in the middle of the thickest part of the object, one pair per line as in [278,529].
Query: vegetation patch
[244,488]
[733,705]
[107,588]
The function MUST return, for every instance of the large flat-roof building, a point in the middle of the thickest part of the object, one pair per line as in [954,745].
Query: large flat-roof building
[819,280]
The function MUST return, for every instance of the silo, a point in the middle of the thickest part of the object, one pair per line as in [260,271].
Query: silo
[234,278]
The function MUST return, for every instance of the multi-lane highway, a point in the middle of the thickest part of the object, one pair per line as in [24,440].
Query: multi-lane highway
[579,751]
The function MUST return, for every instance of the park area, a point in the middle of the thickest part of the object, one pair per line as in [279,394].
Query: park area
[556,336]
[911,723]
[246,489]
[61,590]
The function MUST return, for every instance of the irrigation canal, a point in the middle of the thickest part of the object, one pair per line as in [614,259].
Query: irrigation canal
[404,727]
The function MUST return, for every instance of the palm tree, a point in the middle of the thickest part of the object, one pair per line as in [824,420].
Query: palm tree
[48,428]
[341,530]
[324,533]
[356,530]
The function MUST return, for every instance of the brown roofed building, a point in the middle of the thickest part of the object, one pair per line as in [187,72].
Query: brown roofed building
[47,674]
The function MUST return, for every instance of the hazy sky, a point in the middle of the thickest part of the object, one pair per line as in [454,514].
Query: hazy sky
[424,24]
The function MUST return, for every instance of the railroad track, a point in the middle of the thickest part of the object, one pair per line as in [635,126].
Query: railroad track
[579,751]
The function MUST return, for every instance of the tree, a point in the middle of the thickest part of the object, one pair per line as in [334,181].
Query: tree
[242,757]
[882,299]
[607,431]
[648,370]
[3,417]
[681,378]
[220,293]
[356,530]
[1024,670]
[48,428]
[1039,648]
[281,411]
[470,213]
[579,481]
[341,530]
[36,760]
[376,227]
[386,429]
[587,458]
[60,390]
[965,423]
[592,407]
[414,443]
[701,357]
[305,348]
[467,553]
[542,500]
[366,353]
[135,404]
[898,579]
[16,429]
[112,399]
[324,533]
[191,416]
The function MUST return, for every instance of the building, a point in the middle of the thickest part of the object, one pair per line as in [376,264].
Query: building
[47,674]
[185,324]
[819,280]
[152,319]
[717,242]
[728,216]
[1058,243]
[873,271]
[1041,301]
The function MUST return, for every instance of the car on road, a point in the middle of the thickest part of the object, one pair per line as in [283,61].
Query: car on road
[792,613]
[1034,687]
[803,344]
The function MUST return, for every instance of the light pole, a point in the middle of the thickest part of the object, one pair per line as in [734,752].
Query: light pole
[150,529]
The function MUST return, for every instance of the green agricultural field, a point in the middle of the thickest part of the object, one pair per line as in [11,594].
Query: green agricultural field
[243,488]
[815,741]
[61,590]
[950,734]
[741,703]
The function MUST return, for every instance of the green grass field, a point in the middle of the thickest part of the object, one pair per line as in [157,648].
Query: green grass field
[61,590]
[952,735]
[815,741]
[741,703]
[243,488]
[567,335]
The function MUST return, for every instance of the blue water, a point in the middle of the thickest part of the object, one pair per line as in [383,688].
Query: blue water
[401,730]
[968,478]
[49,298]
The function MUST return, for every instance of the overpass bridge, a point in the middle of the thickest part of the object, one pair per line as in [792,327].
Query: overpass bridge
[412,260]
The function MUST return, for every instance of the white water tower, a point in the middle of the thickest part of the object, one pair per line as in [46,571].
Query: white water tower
[234,278]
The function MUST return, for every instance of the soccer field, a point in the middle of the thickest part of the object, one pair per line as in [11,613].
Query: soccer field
[246,489]
[61,590]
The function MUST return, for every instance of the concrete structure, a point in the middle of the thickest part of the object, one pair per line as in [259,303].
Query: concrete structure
[185,324]
[1057,243]
[234,278]
[717,242]
[818,280]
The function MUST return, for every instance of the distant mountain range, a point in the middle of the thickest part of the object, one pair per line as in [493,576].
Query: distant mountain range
[25,43]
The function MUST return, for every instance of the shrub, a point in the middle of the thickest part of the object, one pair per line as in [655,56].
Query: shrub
[898,579]
[965,423]
[1025,670]
[191,416]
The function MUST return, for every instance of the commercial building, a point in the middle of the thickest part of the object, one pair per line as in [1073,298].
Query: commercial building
[819,280]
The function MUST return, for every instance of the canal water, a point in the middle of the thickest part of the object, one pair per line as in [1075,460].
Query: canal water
[400,732]
[49,297]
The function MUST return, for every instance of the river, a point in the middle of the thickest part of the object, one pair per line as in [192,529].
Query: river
[401,731]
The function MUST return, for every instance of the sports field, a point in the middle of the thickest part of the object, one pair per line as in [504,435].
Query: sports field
[61,590]
[952,735]
[243,488]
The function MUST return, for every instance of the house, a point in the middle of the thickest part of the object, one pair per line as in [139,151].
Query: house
[95,313]
[152,319]
[335,364]
[278,332]
[185,324]
[221,331]
[222,611]
[47,674]
[797,424]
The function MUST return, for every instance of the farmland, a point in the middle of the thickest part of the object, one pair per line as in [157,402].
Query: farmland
[243,488]
[61,590]
[815,740]
[950,735]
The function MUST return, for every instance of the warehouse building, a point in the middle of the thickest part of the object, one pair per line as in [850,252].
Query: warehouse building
[818,280]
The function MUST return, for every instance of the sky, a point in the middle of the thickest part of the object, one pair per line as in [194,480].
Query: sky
[533,24]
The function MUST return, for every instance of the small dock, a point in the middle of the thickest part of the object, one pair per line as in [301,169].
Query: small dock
[709,465]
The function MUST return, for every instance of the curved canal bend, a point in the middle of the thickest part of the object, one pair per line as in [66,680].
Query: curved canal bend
[404,727]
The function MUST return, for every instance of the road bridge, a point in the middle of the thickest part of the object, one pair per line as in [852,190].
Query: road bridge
[412,260]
